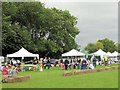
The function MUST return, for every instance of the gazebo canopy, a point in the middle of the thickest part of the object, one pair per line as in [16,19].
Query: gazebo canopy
[23,53]
[115,53]
[109,54]
[100,53]
[73,52]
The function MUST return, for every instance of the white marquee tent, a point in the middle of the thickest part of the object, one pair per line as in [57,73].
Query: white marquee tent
[73,52]
[115,53]
[23,53]
[109,54]
[100,53]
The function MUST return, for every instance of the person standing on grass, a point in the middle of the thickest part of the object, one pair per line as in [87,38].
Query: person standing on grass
[14,62]
[74,63]
[83,64]
[62,64]
[69,65]
[44,62]
[106,61]
[103,61]
[94,61]
[18,64]
[41,64]
[66,62]
[22,66]
[59,63]
[78,62]
[48,63]
[34,64]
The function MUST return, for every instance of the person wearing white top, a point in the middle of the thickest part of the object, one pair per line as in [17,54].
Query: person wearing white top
[14,62]
[90,64]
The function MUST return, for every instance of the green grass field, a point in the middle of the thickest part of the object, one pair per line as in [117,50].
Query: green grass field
[53,79]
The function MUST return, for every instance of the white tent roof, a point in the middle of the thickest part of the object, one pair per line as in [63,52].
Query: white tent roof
[109,54]
[73,52]
[23,53]
[115,53]
[100,53]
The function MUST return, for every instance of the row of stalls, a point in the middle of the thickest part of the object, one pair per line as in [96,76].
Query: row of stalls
[99,54]
[114,56]
[22,53]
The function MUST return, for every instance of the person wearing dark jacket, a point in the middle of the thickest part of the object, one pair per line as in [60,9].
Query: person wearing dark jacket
[84,64]
[94,61]
[66,62]
[48,63]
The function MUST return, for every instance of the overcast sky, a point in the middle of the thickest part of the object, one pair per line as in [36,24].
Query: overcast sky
[96,20]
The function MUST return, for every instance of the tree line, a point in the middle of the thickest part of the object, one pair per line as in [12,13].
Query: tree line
[106,45]
[46,31]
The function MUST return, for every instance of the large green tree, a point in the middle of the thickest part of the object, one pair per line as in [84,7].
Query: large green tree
[118,47]
[109,45]
[13,36]
[99,45]
[93,47]
[39,29]
[104,44]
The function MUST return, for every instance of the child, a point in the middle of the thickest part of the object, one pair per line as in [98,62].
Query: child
[41,64]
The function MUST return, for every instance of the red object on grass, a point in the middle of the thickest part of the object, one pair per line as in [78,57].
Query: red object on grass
[5,71]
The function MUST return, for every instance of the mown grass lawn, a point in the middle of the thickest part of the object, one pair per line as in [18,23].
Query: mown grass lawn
[53,78]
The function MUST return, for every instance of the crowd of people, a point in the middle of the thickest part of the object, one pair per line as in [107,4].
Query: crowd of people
[14,66]
[83,63]
[75,63]
[41,64]
[68,63]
